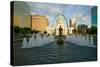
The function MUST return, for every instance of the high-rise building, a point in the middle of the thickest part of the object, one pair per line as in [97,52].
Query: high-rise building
[39,22]
[21,21]
[72,22]
[16,20]
[94,16]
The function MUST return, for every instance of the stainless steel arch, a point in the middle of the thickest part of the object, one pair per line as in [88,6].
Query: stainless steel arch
[65,20]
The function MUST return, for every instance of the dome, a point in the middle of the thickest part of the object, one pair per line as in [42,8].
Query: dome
[60,19]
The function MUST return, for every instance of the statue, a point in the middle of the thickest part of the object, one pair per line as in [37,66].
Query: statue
[60,31]
[60,40]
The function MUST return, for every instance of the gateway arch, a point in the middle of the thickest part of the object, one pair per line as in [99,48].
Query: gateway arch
[61,21]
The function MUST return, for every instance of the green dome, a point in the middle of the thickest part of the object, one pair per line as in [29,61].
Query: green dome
[59,19]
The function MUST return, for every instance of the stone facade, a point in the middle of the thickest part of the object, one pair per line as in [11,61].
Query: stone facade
[21,21]
[39,22]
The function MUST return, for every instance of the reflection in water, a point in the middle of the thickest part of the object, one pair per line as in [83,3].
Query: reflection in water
[95,40]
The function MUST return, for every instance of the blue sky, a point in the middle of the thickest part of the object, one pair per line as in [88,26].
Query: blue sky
[82,13]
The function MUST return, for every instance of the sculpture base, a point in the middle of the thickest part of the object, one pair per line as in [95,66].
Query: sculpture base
[60,42]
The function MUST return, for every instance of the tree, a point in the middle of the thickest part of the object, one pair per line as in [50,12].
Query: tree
[93,30]
[45,32]
[27,30]
[16,29]
[82,28]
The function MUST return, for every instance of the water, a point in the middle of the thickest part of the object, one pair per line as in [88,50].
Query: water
[53,53]
[39,41]
[82,40]
[24,43]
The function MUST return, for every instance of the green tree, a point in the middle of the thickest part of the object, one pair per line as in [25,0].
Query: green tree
[16,30]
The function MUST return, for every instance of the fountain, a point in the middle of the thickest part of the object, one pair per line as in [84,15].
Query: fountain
[24,43]
[38,41]
[61,28]
[86,40]
[30,43]
[51,38]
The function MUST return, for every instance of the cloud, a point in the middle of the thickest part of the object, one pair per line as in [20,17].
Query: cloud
[33,13]
[82,18]
[78,15]
[85,18]
[54,10]
[44,8]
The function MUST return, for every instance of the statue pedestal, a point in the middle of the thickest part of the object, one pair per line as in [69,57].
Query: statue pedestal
[60,42]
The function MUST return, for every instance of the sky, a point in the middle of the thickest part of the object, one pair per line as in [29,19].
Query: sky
[82,13]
